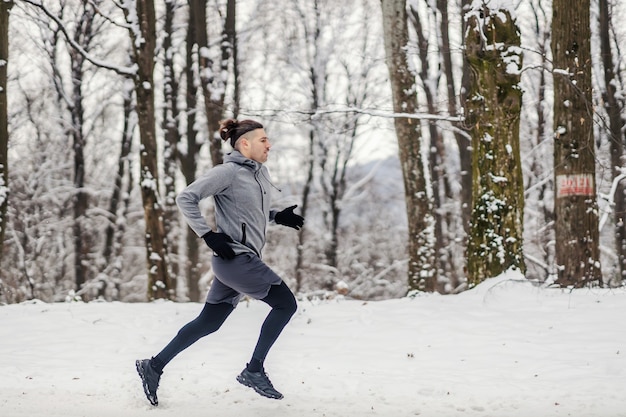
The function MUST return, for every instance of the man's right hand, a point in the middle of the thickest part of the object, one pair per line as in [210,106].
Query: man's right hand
[219,242]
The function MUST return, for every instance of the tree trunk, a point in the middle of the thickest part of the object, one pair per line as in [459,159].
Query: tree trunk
[422,268]
[82,243]
[212,80]
[112,252]
[171,116]
[5,7]
[493,114]
[576,210]
[614,108]
[463,144]
[306,193]
[189,164]
[436,152]
[538,167]
[159,285]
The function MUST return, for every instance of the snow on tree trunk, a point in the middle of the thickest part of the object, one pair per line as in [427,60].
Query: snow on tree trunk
[5,7]
[143,35]
[576,228]
[493,115]
[422,268]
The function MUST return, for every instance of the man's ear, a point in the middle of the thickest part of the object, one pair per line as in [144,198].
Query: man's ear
[244,142]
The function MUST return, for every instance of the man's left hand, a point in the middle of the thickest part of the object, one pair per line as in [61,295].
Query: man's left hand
[288,218]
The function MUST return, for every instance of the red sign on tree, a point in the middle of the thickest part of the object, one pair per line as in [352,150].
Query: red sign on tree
[577,184]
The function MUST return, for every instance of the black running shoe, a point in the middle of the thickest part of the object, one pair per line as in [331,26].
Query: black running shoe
[260,383]
[149,379]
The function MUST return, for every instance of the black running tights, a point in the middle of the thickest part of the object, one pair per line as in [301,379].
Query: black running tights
[212,316]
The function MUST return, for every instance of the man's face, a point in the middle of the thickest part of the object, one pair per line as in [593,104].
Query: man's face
[257,145]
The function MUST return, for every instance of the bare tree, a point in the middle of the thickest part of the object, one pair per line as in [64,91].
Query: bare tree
[189,159]
[576,210]
[213,74]
[83,36]
[142,28]
[493,114]
[539,184]
[463,142]
[5,8]
[170,126]
[422,268]
[114,231]
[422,24]
[614,108]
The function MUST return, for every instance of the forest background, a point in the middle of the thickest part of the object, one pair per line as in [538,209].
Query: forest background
[315,73]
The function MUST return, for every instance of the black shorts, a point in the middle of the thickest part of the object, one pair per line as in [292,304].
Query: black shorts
[245,274]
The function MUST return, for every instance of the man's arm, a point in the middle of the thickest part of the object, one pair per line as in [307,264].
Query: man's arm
[213,182]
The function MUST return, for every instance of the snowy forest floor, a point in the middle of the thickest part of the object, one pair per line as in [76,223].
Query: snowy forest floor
[505,348]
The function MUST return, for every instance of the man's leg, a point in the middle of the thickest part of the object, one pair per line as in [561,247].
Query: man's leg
[283,304]
[210,319]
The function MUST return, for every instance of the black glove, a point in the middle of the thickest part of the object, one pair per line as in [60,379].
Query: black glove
[219,242]
[288,218]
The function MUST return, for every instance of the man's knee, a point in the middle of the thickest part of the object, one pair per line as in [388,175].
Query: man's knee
[291,306]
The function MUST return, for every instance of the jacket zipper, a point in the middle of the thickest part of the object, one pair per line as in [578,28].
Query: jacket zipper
[243,233]
[263,192]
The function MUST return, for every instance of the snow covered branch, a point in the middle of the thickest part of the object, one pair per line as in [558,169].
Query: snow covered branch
[128,71]
[610,197]
[370,112]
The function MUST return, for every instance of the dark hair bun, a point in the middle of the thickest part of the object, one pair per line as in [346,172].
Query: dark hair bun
[228,128]
[231,129]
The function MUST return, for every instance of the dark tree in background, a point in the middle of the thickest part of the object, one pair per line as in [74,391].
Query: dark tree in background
[143,36]
[614,107]
[576,209]
[422,268]
[5,7]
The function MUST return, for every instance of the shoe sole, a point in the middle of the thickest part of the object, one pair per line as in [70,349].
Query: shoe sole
[244,381]
[154,401]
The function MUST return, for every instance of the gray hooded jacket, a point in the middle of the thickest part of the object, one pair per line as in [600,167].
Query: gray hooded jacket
[241,190]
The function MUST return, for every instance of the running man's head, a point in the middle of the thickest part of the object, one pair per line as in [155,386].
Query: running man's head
[248,137]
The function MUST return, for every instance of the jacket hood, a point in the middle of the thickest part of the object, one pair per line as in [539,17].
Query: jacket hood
[238,158]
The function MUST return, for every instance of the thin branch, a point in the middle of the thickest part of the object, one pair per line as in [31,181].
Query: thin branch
[127,71]
[371,112]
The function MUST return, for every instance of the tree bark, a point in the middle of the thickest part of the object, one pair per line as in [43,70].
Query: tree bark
[614,108]
[493,114]
[211,80]
[189,165]
[436,154]
[422,268]
[463,144]
[576,210]
[112,252]
[83,35]
[171,116]
[5,8]
[159,285]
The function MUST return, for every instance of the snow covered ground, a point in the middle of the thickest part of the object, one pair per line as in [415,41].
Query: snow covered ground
[505,348]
